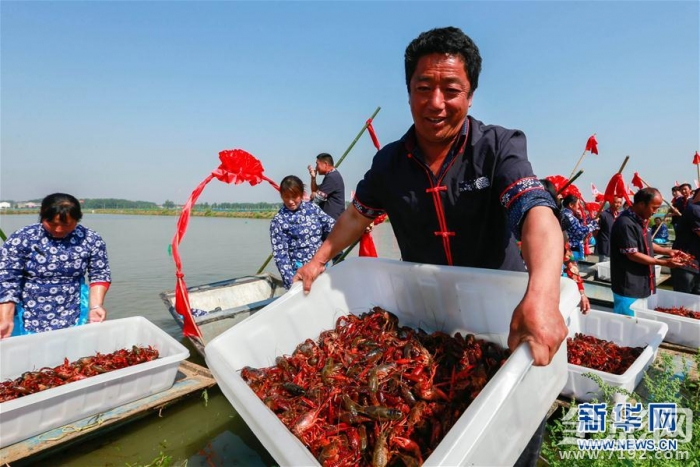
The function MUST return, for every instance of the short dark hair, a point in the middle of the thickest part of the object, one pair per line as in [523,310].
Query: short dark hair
[569,200]
[325,157]
[291,185]
[448,41]
[685,184]
[675,188]
[61,205]
[646,195]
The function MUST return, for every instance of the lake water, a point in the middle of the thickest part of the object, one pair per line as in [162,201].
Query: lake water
[196,432]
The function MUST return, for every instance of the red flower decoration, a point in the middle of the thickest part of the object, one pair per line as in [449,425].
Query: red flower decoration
[239,166]
[559,181]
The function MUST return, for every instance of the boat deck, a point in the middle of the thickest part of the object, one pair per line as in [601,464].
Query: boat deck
[191,378]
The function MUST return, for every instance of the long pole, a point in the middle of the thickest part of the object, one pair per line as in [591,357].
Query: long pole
[2,235]
[662,198]
[340,161]
[578,163]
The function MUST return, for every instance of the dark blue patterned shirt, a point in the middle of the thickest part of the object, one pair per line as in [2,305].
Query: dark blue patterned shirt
[471,212]
[296,236]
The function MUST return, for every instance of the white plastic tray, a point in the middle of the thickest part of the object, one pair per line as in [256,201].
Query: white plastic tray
[625,331]
[449,299]
[603,271]
[30,415]
[681,330]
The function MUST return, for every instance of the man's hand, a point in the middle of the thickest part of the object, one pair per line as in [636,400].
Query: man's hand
[538,322]
[308,273]
[312,171]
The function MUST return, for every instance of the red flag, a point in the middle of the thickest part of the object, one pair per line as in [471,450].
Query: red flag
[637,181]
[373,135]
[696,159]
[237,166]
[592,144]
[594,190]
[616,188]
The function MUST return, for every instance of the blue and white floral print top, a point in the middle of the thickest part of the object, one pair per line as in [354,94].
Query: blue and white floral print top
[44,274]
[296,236]
[575,229]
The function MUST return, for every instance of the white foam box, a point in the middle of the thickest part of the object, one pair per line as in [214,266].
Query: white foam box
[603,271]
[681,330]
[37,413]
[434,298]
[625,331]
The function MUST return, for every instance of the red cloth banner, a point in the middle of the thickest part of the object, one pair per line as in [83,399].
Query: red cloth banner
[237,166]
[592,144]
[696,159]
[373,135]
[637,181]
[616,188]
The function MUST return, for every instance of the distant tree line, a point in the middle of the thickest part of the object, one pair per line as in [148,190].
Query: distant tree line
[239,206]
[112,203]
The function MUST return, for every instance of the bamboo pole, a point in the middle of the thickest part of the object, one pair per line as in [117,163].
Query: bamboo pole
[571,180]
[2,235]
[580,159]
[340,161]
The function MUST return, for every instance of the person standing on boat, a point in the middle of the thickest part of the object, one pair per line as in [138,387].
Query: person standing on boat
[448,170]
[330,194]
[687,278]
[575,229]
[606,220]
[43,268]
[296,230]
[632,261]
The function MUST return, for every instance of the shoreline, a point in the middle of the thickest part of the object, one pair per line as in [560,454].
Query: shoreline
[159,212]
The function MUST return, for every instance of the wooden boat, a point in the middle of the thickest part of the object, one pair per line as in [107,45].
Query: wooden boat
[219,305]
[191,379]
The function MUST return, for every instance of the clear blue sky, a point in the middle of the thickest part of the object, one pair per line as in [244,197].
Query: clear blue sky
[135,99]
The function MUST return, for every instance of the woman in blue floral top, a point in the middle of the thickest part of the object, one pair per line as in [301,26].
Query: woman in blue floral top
[576,230]
[296,230]
[42,272]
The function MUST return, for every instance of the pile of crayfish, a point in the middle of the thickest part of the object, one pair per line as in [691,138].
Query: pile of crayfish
[600,354]
[679,311]
[46,378]
[371,392]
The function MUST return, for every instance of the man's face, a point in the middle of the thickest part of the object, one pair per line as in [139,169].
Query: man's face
[322,168]
[685,191]
[440,97]
[617,204]
[650,209]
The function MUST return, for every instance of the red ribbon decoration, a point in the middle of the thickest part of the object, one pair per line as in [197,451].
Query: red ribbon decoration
[367,247]
[616,188]
[696,159]
[373,135]
[592,144]
[237,166]
[637,181]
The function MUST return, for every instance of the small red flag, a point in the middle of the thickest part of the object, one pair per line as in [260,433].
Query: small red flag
[373,134]
[637,181]
[696,159]
[592,144]
[616,188]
